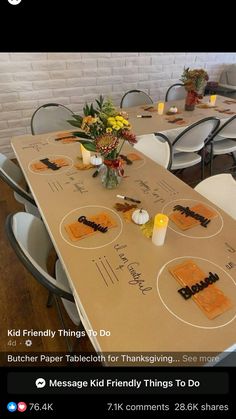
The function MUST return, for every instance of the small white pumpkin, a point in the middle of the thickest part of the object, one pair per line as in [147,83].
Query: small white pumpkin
[140,216]
[96,160]
[173,109]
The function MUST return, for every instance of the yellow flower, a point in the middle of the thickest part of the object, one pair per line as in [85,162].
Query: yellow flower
[119,118]
[111,120]
[125,122]
[119,124]
[109,130]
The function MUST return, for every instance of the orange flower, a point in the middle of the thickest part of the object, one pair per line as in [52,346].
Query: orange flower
[106,143]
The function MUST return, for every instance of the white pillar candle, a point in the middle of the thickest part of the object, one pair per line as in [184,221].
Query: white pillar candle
[160,108]
[85,154]
[159,229]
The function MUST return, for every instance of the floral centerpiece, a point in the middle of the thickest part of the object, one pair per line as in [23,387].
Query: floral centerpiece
[194,82]
[104,130]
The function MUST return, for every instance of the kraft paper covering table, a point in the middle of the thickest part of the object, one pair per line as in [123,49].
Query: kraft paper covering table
[120,280]
[159,123]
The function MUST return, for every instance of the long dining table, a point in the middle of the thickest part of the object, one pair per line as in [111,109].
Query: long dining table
[146,120]
[122,283]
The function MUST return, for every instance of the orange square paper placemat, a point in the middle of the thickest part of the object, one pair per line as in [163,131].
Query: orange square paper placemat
[211,299]
[39,167]
[134,157]
[60,162]
[185,222]
[79,230]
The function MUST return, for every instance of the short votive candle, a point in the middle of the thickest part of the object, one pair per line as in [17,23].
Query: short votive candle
[86,155]
[159,229]
[213,99]
[160,108]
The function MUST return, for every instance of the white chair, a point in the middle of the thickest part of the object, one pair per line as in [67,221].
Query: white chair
[31,243]
[155,146]
[175,92]
[13,176]
[228,78]
[50,117]
[189,141]
[223,141]
[68,304]
[135,98]
[221,190]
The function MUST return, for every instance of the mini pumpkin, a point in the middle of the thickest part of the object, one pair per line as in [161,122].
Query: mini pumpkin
[140,216]
[173,109]
[96,160]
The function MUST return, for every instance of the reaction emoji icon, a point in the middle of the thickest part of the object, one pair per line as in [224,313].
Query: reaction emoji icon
[21,407]
[11,406]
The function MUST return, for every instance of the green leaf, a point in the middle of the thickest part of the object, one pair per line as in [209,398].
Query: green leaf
[76,124]
[78,117]
[92,110]
[88,145]
[86,109]
[81,134]
[100,102]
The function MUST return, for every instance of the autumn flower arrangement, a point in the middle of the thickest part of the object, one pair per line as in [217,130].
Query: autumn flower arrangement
[104,130]
[194,82]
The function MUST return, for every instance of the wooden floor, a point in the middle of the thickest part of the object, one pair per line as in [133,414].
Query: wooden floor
[23,299]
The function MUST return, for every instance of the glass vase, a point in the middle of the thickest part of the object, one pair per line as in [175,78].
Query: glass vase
[190,101]
[110,176]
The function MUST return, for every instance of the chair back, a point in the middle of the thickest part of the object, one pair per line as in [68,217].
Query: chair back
[227,130]
[194,137]
[135,98]
[228,77]
[10,169]
[50,117]
[29,238]
[13,176]
[221,190]
[175,92]
[155,146]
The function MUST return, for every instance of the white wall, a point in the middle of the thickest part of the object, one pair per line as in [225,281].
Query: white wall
[28,80]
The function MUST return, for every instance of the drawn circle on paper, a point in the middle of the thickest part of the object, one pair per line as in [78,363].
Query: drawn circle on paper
[98,239]
[64,163]
[136,164]
[187,311]
[198,232]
